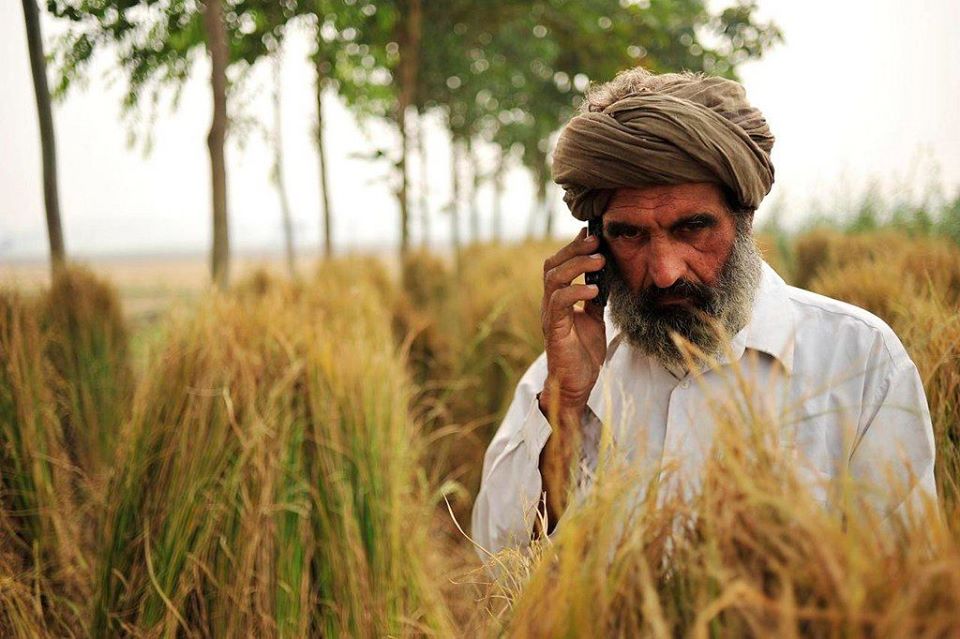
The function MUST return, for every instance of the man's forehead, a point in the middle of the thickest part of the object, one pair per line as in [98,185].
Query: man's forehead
[665,200]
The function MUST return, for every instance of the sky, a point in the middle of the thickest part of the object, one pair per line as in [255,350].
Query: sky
[862,94]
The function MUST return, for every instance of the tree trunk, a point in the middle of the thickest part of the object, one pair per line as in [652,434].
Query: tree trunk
[51,197]
[535,206]
[455,196]
[219,55]
[409,61]
[325,212]
[498,196]
[278,180]
[544,196]
[474,163]
[424,184]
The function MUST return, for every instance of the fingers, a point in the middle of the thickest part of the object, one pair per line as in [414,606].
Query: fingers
[567,297]
[561,275]
[581,245]
[559,270]
[560,305]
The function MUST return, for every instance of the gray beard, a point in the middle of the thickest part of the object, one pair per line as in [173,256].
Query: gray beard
[718,312]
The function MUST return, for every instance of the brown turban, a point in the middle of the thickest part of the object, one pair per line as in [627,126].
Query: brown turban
[679,128]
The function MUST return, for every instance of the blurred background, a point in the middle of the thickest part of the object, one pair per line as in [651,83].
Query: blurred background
[862,98]
[298,456]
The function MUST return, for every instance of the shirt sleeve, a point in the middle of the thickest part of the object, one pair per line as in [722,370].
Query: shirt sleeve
[894,455]
[511,486]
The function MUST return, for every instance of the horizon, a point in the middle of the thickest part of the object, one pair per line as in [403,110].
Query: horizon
[827,155]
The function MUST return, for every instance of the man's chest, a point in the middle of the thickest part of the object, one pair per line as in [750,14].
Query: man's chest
[658,421]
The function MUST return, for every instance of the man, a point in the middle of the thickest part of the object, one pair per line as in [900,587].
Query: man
[674,166]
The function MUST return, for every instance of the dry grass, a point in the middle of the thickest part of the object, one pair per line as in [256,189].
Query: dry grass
[750,555]
[87,347]
[472,333]
[279,455]
[281,496]
[43,570]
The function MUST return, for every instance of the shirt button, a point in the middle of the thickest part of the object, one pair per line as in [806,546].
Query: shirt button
[685,384]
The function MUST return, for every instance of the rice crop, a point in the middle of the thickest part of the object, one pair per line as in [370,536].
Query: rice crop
[292,459]
[42,567]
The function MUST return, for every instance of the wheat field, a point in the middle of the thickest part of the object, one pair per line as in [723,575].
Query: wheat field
[297,458]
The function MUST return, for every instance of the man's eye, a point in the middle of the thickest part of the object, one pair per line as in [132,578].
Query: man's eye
[616,231]
[695,225]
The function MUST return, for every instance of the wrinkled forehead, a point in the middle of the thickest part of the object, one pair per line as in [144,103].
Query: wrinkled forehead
[666,201]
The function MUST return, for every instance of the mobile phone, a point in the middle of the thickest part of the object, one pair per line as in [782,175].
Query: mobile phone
[599,278]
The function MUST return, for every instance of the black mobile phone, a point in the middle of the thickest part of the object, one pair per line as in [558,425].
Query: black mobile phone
[595,227]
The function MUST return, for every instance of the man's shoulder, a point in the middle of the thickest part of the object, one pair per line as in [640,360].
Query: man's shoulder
[827,309]
[842,323]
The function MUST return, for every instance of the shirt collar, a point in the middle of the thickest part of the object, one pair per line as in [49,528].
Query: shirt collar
[770,330]
[614,334]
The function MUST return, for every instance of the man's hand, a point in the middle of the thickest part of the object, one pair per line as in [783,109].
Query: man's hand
[576,346]
[575,339]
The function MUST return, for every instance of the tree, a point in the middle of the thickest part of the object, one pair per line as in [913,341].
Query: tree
[513,74]
[51,197]
[330,19]
[381,70]
[322,67]
[410,37]
[155,42]
[216,33]
[336,57]
[277,169]
[424,182]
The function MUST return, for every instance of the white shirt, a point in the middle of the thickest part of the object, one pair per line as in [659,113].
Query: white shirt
[836,378]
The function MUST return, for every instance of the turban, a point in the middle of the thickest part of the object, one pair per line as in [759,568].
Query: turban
[681,128]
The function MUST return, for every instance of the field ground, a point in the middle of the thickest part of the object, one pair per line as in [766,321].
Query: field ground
[146,285]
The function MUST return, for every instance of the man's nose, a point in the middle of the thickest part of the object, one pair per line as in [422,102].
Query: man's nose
[666,265]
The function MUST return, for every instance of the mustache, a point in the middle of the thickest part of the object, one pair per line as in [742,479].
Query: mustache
[700,295]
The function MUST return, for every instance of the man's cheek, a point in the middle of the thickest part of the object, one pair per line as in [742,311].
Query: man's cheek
[633,272]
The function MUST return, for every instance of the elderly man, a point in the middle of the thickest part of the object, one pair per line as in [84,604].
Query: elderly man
[674,167]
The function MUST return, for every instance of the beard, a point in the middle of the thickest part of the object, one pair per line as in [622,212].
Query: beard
[715,313]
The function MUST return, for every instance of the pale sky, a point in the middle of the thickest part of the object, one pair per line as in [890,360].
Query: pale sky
[859,91]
